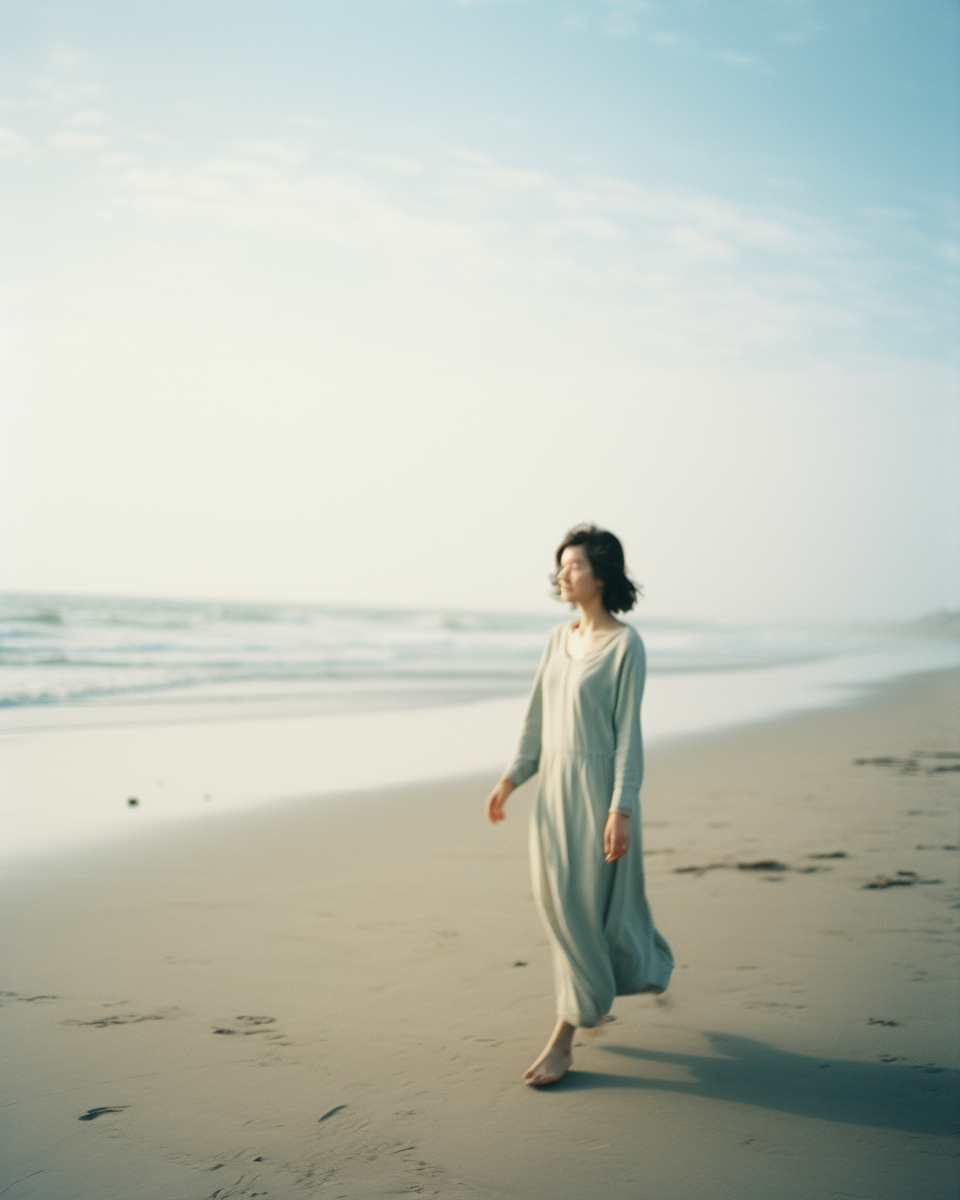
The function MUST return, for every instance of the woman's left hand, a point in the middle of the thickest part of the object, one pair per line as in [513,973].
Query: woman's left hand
[616,836]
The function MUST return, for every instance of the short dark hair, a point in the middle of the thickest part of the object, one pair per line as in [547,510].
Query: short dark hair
[605,555]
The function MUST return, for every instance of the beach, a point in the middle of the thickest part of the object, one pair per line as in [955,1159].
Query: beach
[337,997]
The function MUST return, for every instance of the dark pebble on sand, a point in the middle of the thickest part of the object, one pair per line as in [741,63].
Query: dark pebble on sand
[92,1113]
[880,1021]
[133,802]
[519,963]
[830,854]
[763,864]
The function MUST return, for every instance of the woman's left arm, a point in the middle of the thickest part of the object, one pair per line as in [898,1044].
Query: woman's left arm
[628,752]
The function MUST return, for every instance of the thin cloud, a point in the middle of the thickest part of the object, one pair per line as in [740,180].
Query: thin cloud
[388,162]
[67,140]
[705,266]
[798,37]
[306,121]
[664,37]
[736,58]
[698,273]
[60,93]
[12,143]
[85,117]
[948,252]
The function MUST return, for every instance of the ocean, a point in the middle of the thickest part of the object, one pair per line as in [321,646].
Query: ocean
[195,707]
[99,659]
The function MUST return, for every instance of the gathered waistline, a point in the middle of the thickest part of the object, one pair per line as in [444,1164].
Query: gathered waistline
[573,756]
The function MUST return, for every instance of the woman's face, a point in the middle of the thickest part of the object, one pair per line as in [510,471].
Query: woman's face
[575,577]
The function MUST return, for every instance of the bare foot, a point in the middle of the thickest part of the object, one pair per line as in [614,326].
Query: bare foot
[550,1067]
[556,1059]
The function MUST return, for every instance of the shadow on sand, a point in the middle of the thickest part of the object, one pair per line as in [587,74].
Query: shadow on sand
[888,1095]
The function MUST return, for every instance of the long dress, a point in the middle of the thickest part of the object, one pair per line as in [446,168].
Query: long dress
[582,733]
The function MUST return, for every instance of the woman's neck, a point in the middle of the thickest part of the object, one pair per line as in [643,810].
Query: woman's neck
[594,618]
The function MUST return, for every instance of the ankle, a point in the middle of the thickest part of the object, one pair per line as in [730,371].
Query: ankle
[562,1039]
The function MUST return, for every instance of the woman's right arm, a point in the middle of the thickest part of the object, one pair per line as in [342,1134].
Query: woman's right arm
[498,798]
[526,760]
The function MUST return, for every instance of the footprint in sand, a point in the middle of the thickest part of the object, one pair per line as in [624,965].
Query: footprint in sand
[908,765]
[129,1018]
[252,1025]
[900,879]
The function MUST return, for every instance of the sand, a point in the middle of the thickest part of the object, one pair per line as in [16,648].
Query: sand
[337,998]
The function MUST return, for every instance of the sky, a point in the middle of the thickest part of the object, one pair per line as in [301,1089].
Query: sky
[368,301]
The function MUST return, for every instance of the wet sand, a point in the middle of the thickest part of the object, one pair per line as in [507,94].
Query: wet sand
[337,998]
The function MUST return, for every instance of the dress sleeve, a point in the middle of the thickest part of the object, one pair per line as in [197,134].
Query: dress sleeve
[628,753]
[526,760]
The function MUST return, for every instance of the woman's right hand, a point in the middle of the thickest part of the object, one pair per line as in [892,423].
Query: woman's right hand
[497,799]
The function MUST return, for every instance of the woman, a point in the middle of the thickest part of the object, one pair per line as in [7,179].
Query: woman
[582,733]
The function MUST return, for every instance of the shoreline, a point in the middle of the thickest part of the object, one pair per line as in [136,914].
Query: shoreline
[337,998]
[63,787]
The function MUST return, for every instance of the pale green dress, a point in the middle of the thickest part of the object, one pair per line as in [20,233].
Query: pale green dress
[582,733]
